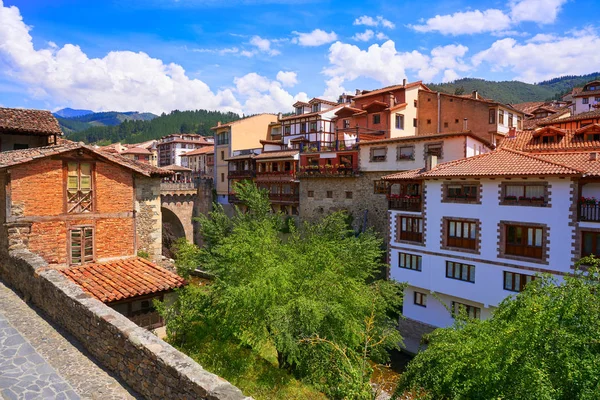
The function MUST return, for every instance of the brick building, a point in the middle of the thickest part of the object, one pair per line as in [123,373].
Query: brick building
[74,206]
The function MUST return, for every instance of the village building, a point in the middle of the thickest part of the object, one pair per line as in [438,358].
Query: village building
[170,148]
[200,161]
[484,226]
[588,99]
[88,213]
[238,142]
[23,129]
[143,152]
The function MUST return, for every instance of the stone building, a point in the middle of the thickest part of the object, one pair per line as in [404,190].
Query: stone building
[75,206]
[23,129]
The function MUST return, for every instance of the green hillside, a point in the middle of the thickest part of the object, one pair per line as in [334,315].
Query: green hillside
[515,91]
[111,118]
[135,131]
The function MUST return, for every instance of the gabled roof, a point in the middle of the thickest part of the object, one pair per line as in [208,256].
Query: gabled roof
[30,122]
[136,150]
[525,141]
[549,130]
[123,279]
[386,89]
[319,100]
[347,111]
[16,157]
[177,168]
[311,114]
[591,127]
[300,104]
[376,104]
[276,154]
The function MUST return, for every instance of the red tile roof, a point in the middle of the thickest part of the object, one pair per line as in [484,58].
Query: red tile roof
[417,138]
[319,100]
[311,114]
[526,141]
[276,154]
[578,117]
[136,150]
[123,279]
[580,161]
[202,150]
[33,122]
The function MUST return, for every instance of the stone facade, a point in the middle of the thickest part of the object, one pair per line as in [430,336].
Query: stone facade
[149,365]
[148,216]
[362,199]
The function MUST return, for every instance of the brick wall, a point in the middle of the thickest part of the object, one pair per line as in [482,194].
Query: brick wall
[114,188]
[37,188]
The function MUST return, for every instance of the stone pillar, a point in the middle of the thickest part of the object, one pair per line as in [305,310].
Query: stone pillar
[202,205]
[148,216]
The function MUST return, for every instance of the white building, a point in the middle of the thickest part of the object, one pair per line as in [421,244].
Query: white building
[201,161]
[484,225]
[311,123]
[170,148]
[588,99]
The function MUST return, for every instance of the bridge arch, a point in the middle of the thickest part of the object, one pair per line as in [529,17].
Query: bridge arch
[173,229]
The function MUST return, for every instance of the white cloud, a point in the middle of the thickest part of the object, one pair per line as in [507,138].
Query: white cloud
[334,88]
[469,22]
[123,80]
[543,37]
[287,78]
[364,36]
[314,38]
[381,36]
[493,20]
[377,21]
[263,45]
[450,76]
[539,60]
[388,66]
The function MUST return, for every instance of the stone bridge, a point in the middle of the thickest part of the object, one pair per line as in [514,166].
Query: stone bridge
[180,203]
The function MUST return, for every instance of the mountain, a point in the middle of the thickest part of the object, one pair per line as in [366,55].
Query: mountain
[515,91]
[135,129]
[111,118]
[70,113]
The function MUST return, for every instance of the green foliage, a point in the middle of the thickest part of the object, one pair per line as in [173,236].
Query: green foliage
[541,344]
[140,130]
[515,91]
[143,254]
[311,297]
[188,257]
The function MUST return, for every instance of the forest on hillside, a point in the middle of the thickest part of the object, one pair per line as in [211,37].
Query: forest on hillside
[515,91]
[198,121]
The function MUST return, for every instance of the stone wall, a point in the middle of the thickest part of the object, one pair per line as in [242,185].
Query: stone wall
[3,233]
[149,365]
[202,205]
[362,199]
[412,332]
[148,216]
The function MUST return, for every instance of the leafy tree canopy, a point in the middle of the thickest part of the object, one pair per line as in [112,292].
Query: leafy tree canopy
[543,343]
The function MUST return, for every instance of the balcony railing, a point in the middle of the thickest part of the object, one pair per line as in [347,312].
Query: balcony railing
[318,147]
[411,203]
[284,197]
[241,174]
[275,173]
[317,171]
[589,212]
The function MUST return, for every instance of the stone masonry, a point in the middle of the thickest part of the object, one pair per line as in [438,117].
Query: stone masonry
[148,216]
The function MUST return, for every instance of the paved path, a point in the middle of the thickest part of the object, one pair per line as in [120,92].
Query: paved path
[40,361]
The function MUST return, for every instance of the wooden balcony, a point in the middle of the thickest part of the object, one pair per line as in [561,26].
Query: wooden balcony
[325,171]
[282,174]
[287,198]
[589,212]
[241,174]
[322,147]
[410,203]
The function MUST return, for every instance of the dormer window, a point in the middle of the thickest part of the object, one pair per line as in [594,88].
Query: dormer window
[549,139]
[316,107]
[299,110]
[592,137]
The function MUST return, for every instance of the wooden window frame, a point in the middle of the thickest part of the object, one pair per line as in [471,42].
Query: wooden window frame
[414,228]
[381,187]
[434,145]
[470,275]
[596,249]
[420,299]
[474,196]
[476,311]
[585,100]
[376,119]
[470,227]
[312,127]
[492,116]
[524,279]
[415,262]
[399,152]
[77,204]
[399,118]
[329,194]
[522,249]
[523,200]
[346,124]
[372,154]
[83,257]
[501,117]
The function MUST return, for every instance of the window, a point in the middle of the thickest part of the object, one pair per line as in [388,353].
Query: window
[81,243]
[445,124]
[492,115]
[593,137]
[428,122]
[405,153]
[549,139]
[510,120]
[399,121]
[346,123]
[590,244]
[414,122]
[434,149]
[378,154]
[330,194]
[460,271]
[316,107]
[461,234]
[516,282]
[348,195]
[381,187]
[79,188]
[376,119]
[20,146]
[313,126]
[409,261]
[222,155]
[501,117]
[415,103]
[524,241]
[299,110]
[460,191]
[471,311]
[524,194]
[303,127]
[519,124]
[222,177]
[420,299]
[456,121]
[585,100]
[410,229]
[287,130]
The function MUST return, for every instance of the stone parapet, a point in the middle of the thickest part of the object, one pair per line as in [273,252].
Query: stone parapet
[149,365]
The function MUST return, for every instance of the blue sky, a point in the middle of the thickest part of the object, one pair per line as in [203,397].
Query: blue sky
[260,56]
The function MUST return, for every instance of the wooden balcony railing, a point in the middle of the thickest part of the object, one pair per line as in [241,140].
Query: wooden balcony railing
[276,173]
[318,147]
[327,170]
[284,197]
[241,174]
[589,212]
[412,203]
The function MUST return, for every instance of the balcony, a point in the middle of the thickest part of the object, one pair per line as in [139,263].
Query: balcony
[284,197]
[232,198]
[324,171]
[404,203]
[589,211]
[241,174]
[319,147]
[276,173]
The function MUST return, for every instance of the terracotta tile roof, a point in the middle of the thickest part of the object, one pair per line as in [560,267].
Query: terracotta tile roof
[528,106]
[241,157]
[526,141]
[276,154]
[580,161]
[405,175]
[202,150]
[176,168]
[578,117]
[534,123]
[123,279]
[319,100]
[389,89]
[417,138]
[136,150]
[33,122]
[276,142]
[16,157]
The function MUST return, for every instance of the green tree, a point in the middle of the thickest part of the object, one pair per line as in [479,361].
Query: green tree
[543,343]
[310,295]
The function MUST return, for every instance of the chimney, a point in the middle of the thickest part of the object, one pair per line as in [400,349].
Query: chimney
[357,93]
[404,82]
[512,132]
[279,116]
[431,162]
[475,95]
[593,156]
[465,124]
[219,123]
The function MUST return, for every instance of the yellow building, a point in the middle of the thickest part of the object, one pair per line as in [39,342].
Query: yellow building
[233,137]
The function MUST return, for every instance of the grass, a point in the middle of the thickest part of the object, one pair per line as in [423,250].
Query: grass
[252,373]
